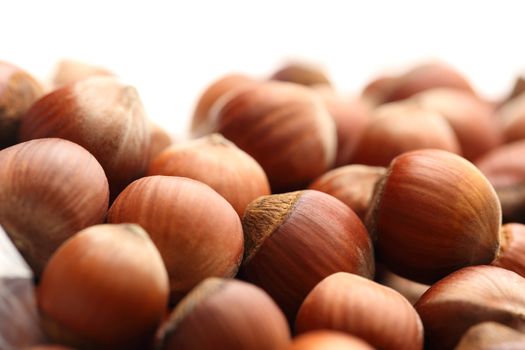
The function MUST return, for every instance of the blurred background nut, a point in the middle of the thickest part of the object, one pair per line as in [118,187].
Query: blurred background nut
[104,288]
[294,240]
[511,115]
[351,184]
[197,232]
[504,167]
[218,163]
[103,116]
[302,73]
[285,127]
[49,190]
[70,71]
[224,314]
[363,308]
[396,128]
[18,91]
[467,297]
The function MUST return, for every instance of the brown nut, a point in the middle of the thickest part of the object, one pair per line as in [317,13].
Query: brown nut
[49,190]
[511,115]
[471,119]
[294,240]
[467,297]
[18,91]
[491,336]
[285,127]
[325,339]
[512,252]
[361,307]
[433,213]
[218,163]
[504,167]
[352,184]
[351,116]
[228,84]
[301,73]
[197,232]
[424,77]
[70,71]
[103,116]
[226,314]
[104,288]
[400,127]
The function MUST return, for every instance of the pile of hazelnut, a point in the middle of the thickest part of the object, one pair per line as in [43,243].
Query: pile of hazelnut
[293,218]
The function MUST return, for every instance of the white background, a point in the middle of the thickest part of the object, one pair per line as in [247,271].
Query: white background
[171,50]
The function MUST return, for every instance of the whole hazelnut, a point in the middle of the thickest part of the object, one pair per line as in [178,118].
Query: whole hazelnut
[504,167]
[70,71]
[104,288]
[361,307]
[285,127]
[49,190]
[294,240]
[426,76]
[351,184]
[301,73]
[325,339]
[467,297]
[18,91]
[103,116]
[471,119]
[218,163]
[491,336]
[197,232]
[433,213]
[226,314]
[351,116]
[512,252]
[228,84]
[400,127]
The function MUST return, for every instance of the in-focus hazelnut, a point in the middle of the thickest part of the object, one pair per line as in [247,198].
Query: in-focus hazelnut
[197,232]
[49,190]
[433,213]
[294,240]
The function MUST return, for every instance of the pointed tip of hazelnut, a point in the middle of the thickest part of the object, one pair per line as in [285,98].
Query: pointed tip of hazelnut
[263,216]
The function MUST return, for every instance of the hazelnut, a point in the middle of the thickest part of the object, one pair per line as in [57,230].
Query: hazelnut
[103,116]
[491,336]
[433,213]
[70,71]
[18,91]
[197,232]
[294,240]
[424,77]
[49,190]
[375,91]
[467,297]
[504,167]
[226,314]
[352,184]
[511,115]
[285,127]
[471,119]
[218,163]
[351,117]
[325,339]
[401,127]
[228,84]
[361,307]
[104,288]
[301,73]
[512,252]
